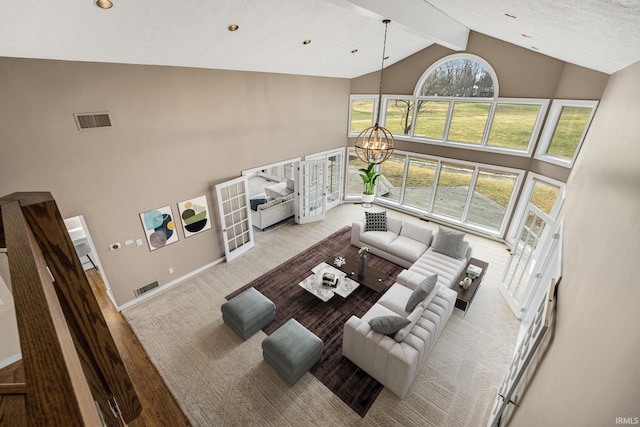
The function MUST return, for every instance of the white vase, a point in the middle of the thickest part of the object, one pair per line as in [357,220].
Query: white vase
[368,198]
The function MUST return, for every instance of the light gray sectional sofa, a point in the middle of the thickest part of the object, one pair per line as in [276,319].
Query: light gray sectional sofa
[273,211]
[394,359]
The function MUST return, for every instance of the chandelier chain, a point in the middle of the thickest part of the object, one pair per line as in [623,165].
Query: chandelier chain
[384,48]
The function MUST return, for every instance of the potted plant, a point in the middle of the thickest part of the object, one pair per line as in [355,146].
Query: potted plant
[369,178]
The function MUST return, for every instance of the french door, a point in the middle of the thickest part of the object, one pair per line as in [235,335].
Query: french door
[235,216]
[310,187]
[524,268]
[335,174]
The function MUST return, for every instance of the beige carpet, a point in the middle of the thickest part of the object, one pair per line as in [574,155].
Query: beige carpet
[218,380]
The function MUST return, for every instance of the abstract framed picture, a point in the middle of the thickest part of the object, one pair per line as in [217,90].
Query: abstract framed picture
[195,215]
[159,227]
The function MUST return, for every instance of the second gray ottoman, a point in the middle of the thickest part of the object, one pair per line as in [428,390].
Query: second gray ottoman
[248,312]
[292,350]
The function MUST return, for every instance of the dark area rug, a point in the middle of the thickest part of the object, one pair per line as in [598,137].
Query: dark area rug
[326,319]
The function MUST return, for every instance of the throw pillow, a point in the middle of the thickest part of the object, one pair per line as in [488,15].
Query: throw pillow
[255,202]
[376,221]
[449,242]
[388,325]
[421,292]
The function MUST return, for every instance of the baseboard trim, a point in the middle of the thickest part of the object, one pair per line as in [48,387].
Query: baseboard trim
[168,285]
[10,360]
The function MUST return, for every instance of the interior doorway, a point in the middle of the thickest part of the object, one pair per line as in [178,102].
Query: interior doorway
[85,249]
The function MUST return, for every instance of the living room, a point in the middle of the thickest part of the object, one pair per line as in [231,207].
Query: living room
[173,138]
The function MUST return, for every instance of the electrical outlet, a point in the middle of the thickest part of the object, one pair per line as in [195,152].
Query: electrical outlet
[115,246]
[170,270]
[128,242]
[138,242]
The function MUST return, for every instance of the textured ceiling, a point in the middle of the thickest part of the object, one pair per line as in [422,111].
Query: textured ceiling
[599,34]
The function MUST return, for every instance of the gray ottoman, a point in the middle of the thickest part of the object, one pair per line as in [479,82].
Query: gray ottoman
[248,312]
[292,350]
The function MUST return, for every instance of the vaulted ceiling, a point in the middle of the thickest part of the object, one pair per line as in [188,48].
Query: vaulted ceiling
[346,35]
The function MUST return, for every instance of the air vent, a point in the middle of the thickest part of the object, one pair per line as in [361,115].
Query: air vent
[146,288]
[86,121]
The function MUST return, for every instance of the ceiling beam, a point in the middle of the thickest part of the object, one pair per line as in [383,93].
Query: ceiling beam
[414,16]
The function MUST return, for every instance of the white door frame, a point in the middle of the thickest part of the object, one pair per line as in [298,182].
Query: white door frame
[235,216]
[310,191]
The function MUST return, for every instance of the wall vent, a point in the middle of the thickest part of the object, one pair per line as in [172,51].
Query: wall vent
[146,288]
[86,121]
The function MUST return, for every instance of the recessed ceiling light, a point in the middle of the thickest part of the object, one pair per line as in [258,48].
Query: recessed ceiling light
[527,36]
[306,41]
[385,58]
[535,48]
[354,50]
[508,15]
[104,4]
[233,27]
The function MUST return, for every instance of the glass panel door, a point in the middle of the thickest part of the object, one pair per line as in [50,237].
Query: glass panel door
[310,184]
[233,207]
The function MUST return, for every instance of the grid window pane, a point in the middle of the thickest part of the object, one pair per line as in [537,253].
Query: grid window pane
[453,188]
[431,119]
[490,198]
[419,186]
[513,125]
[469,121]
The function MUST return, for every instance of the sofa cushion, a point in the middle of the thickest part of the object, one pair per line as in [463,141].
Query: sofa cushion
[448,268]
[416,232]
[377,239]
[406,248]
[395,299]
[449,242]
[375,221]
[394,225]
[388,325]
[277,190]
[413,318]
[421,292]
[290,184]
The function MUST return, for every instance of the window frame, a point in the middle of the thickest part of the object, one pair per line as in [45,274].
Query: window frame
[462,223]
[551,125]
[373,114]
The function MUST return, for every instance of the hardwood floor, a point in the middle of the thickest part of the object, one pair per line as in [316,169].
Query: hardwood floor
[159,408]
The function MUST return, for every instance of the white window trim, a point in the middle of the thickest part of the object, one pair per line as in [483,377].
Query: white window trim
[550,127]
[525,198]
[373,116]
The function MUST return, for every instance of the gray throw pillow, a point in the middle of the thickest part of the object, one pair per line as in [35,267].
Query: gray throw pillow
[420,292]
[376,221]
[449,243]
[388,325]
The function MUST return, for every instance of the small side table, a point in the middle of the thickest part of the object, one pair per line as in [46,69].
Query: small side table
[465,296]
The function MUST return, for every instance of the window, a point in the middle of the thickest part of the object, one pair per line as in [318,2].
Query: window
[399,115]
[353,180]
[460,75]
[361,112]
[515,124]
[480,197]
[392,176]
[468,122]
[565,130]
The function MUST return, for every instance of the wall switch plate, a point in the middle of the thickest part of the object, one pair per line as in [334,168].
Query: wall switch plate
[115,246]
[139,242]
[170,270]
[128,242]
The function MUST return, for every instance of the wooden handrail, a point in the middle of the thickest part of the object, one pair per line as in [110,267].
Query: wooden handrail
[69,357]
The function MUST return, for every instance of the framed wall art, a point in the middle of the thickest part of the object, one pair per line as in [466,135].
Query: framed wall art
[195,215]
[159,227]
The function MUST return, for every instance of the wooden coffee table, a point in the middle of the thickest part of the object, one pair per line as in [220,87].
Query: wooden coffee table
[372,279]
[465,296]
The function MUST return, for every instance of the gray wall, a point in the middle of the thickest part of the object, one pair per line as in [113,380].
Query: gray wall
[590,374]
[177,132]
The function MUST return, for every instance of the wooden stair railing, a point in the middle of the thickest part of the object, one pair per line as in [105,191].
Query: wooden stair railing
[71,364]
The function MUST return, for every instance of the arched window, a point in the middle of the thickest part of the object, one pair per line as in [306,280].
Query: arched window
[459,75]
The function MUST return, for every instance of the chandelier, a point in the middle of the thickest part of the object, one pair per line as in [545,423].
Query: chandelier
[375,144]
